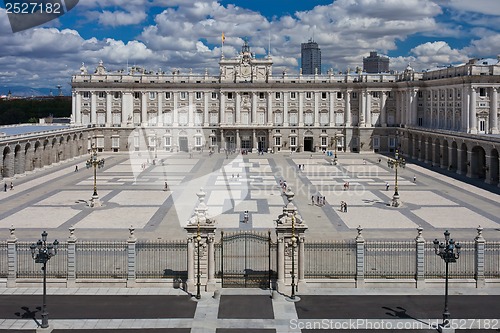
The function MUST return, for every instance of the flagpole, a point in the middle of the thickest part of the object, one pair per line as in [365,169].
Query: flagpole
[222,44]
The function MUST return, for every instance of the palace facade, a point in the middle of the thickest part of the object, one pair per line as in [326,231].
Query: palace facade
[248,107]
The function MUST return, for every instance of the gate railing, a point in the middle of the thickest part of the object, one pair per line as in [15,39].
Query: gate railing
[246,259]
[240,255]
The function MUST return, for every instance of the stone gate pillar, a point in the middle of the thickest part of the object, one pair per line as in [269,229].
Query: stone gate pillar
[201,248]
[12,258]
[290,232]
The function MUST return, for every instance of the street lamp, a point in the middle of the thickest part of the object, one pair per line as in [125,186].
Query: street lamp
[41,253]
[449,252]
[94,162]
[394,163]
[198,284]
[293,245]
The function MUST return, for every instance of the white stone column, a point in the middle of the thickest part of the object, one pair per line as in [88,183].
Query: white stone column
[238,108]
[383,109]
[159,115]
[211,263]
[494,111]
[361,111]
[368,110]
[206,120]
[465,110]
[176,109]
[78,108]
[281,263]
[316,109]
[254,108]
[414,107]
[472,112]
[301,109]
[127,108]
[269,108]
[399,112]
[347,109]
[144,109]
[109,103]
[222,108]
[93,108]
[431,108]
[191,107]
[331,108]
[285,109]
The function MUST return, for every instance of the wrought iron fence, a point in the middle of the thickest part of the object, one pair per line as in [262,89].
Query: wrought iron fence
[463,268]
[161,259]
[4,260]
[330,259]
[492,260]
[101,260]
[390,259]
[57,266]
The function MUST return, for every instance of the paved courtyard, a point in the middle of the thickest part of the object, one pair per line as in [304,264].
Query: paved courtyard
[132,190]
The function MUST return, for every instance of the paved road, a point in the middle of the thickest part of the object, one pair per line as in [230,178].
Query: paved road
[258,313]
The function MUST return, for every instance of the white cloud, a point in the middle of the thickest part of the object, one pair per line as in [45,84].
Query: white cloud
[488,7]
[186,34]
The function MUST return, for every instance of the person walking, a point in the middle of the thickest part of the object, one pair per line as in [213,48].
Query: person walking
[11,186]
[5,187]
[76,168]
[414,178]
[345,207]
[387,186]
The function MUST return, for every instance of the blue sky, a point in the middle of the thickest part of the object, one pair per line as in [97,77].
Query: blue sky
[185,34]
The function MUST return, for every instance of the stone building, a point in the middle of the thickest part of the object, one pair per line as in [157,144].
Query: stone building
[248,107]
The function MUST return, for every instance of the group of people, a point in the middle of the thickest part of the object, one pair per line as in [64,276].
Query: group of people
[301,167]
[346,186]
[318,200]
[343,206]
[5,186]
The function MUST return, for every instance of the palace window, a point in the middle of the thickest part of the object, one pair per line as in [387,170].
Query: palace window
[354,95]
[101,94]
[117,95]
[278,95]
[482,92]
[137,95]
[339,95]
[229,95]
[86,94]
[214,95]
[375,94]
[293,95]
[324,95]
[198,95]
[152,95]
[262,95]
[183,95]
[308,95]
[167,95]
[168,141]
[293,141]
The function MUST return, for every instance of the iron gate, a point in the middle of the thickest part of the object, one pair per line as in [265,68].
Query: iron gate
[246,260]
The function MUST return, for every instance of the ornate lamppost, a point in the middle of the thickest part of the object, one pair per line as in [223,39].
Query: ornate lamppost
[198,284]
[95,163]
[395,163]
[336,139]
[41,253]
[449,252]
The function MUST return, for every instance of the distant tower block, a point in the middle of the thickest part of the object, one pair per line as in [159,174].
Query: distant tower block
[375,63]
[311,58]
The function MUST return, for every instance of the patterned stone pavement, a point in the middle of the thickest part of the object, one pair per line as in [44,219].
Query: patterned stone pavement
[132,190]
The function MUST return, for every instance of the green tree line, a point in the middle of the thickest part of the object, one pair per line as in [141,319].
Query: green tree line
[19,111]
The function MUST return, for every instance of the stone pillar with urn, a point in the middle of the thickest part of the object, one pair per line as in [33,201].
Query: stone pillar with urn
[201,249]
[290,231]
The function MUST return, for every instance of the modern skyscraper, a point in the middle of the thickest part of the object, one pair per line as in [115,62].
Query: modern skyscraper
[375,63]
[311,58]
